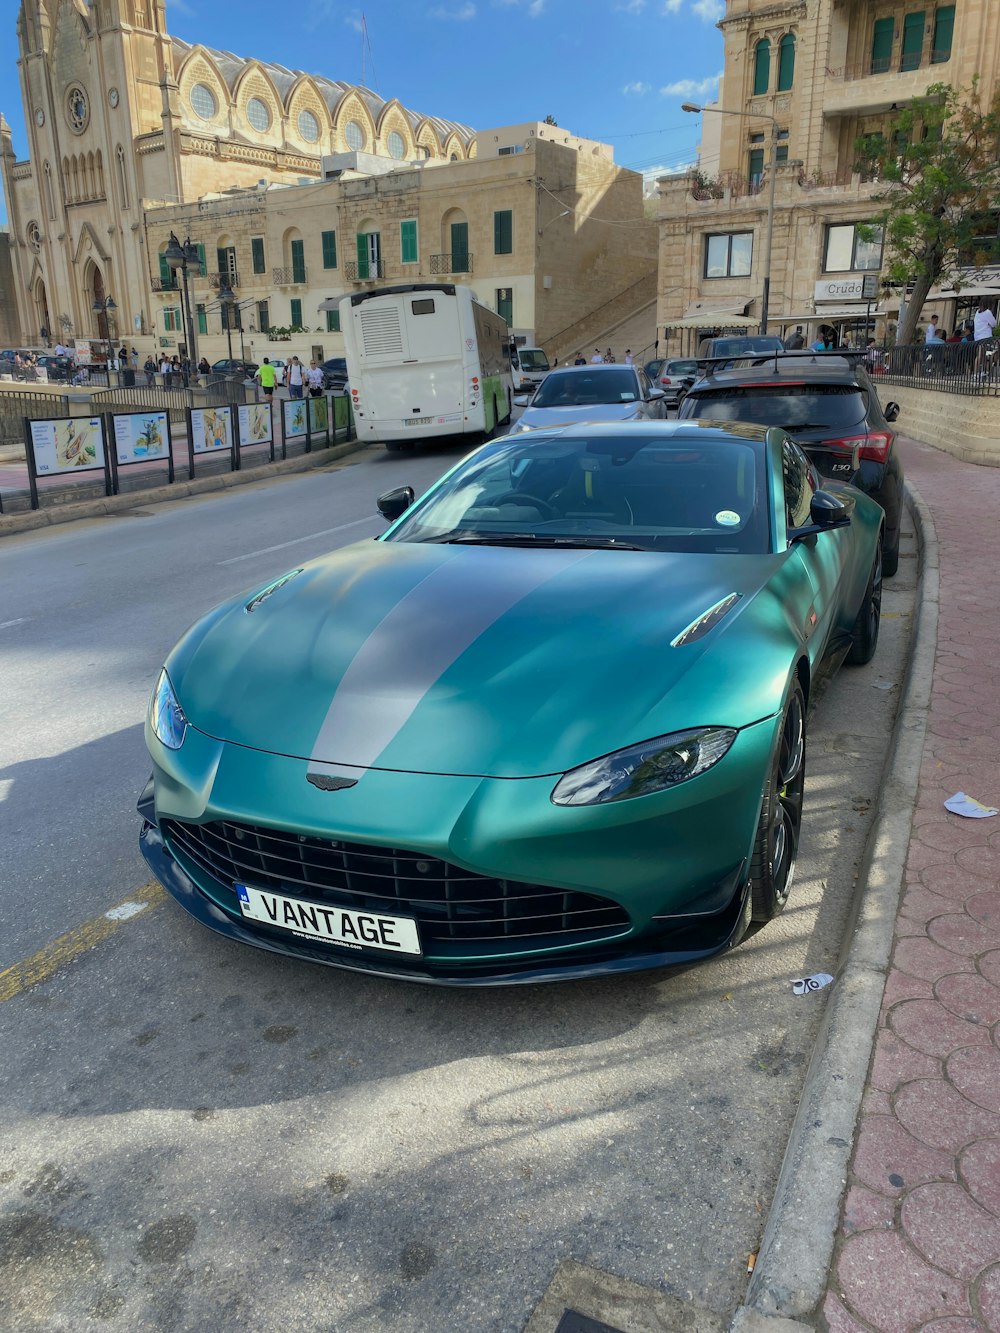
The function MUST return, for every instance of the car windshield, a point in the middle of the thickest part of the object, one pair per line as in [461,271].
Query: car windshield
[640,490]
[793,406]
[682,367]
[743,346]
[576,388]
[532,360]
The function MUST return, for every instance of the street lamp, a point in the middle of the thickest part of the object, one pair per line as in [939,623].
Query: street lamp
[769,231]
[181,257]
[227,300]
[104,308]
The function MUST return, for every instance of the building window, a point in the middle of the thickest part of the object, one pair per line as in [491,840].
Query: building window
[459,247]
[503,232]
[296,305]
[755,167]
[882,37]
[202,319]
[333,321]
[786,62]
[168,278]
[308,126]
[396,145]
[329,249]
[298,250]
[172,319]
[203,101]
[122,176]
[408,241]
[501,152]
[369,246]
[913,40]
[761,67]
[225,258]
[944,27]
[355,136]
[505,304]
[728,255]
[258,114]
[263,316]
[846,252]
[258,262]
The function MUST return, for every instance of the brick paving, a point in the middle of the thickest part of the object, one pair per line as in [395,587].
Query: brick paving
[919,1240]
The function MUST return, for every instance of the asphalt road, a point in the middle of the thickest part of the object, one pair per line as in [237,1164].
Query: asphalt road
[196,1135]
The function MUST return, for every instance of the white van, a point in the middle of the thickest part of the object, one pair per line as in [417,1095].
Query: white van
[528,367]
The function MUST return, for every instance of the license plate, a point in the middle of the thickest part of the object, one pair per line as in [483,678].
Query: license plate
[336,925]
[417,421]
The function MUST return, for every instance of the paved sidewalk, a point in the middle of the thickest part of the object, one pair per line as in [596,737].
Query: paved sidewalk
[919,1240]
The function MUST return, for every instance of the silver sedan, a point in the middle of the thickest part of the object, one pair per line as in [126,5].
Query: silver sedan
[592,393]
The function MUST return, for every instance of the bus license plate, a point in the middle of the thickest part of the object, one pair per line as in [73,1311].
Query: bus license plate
[417,421]
[337,925]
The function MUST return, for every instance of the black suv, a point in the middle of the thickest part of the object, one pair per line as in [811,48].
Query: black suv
[829,405]
[335,373]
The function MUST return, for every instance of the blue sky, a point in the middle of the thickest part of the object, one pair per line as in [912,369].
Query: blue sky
[615,71]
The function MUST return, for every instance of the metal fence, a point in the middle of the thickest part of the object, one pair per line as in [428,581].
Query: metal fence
[14,407]
[971,369]
[220,392]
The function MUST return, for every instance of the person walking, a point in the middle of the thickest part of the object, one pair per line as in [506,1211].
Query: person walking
[581,360]
[931,331]
[314,378]
[266,377]
[628,356]
[984,323]
[609,357]
[295,377]
[597,359]
[203,367]
[795,341]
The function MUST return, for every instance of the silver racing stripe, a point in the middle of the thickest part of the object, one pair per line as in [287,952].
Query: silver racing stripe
[431,627]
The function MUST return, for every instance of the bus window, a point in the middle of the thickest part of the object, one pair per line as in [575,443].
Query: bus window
[425,307]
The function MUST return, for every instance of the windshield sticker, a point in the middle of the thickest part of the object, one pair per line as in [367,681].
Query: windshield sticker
[726,518]
[627,397]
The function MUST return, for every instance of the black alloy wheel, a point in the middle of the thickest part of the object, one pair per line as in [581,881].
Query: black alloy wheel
[777,842]
[864,637]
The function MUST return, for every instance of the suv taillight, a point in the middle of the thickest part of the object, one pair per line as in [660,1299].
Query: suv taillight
[875,446]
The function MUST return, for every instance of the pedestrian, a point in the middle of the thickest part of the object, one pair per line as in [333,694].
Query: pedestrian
[825,339]
[133,357]
[581,360]
[795,341]
[149,369]
[295,378]
[985,322]
[609,358]
[597,359]
[266,377]
[628,356]
[123,357]
[314,378]
[931,332]
[186,371]
[203,367]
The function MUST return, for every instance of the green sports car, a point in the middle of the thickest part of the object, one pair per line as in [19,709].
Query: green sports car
[551,724]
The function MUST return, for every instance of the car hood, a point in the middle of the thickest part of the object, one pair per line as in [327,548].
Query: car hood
[491,661]
[541,417]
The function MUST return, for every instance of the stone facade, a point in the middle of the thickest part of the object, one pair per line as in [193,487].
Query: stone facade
[814,76]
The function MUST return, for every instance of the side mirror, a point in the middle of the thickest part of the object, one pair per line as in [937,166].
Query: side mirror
[657,393]
[521,399]
[891,411]
[396,502]
[826,512]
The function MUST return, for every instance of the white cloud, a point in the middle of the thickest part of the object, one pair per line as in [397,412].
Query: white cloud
[693,90]
[182,7]
[461,14]
[671,6]
[531,7]
[631,6]
[636,89]
[709,10]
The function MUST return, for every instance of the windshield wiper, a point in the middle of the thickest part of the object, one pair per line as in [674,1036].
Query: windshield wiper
[581,541]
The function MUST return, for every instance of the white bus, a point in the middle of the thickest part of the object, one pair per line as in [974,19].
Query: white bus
[425,360]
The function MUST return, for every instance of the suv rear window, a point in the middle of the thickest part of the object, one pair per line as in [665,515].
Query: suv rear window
[802,406]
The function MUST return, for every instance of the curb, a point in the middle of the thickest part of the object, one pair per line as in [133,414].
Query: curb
[180,490]
[790,1277]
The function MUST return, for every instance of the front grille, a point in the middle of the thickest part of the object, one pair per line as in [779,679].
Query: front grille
[449,903]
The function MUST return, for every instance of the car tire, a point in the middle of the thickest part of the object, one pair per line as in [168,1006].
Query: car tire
[393,447]
[864,636]
[890,559]
[776,843]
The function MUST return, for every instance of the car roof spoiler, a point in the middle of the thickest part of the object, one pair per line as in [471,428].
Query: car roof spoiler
[711,363]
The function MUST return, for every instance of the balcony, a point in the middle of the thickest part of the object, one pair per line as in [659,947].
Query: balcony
[870,87]
[367,270]
[215,280]
[159,284]
[451,263]
[289,277]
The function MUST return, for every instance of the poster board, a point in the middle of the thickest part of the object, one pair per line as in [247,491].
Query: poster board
[211,429]
[56,446]
[256,426]
[318,419]
[140,437]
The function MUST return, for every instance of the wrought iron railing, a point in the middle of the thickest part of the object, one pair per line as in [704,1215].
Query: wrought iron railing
[215,280]
[455,262]
[971,369]
[892,64]
[14,407]
[289,277]
[364,270]
[159,284]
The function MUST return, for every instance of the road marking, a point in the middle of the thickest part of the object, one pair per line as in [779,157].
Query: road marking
[9,624]
[47,961]
[266,550]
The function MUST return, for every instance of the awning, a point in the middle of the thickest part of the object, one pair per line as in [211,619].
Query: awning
[971,292]
[733,318]
[821,316]
[331,303]
[715,307]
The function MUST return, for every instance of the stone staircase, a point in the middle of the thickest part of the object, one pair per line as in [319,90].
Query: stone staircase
[627,320]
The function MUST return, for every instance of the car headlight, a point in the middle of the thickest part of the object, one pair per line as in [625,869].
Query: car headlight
[642,769]
[166,716]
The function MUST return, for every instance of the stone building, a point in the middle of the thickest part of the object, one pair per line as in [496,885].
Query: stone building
[802,81]
[282,177]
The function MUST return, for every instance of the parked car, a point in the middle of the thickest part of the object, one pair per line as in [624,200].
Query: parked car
[674,377]
[234,367]
[598,643]
[57,368]
[528,367]
[831,407]
[335,373]
[591,393]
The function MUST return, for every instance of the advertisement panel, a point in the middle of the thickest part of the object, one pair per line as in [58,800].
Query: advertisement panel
[319,418]
[294,410]
[140,437]
[211,429]
[255,423]
[70,444]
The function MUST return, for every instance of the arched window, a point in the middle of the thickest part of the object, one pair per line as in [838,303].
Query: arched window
[49,196]
[122,177]
[786,62]
[761,67]
[99,169]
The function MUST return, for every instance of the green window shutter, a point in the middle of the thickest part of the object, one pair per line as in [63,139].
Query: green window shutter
[505,304]
[298,261]
[408,241]
[263,316]
[333,321]
[222,261]
[781,153]
[503,232]
[755,165]
[202,266]
[944,27]
[167,279]
[882,35]
[329,249]
[786,62]
[459,247]
[257,251]
[362,254]
[202,320]
[761,67]
[913,41]
[296,311]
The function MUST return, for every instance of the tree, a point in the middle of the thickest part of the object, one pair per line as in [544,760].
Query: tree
[550,120]
[940,163]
